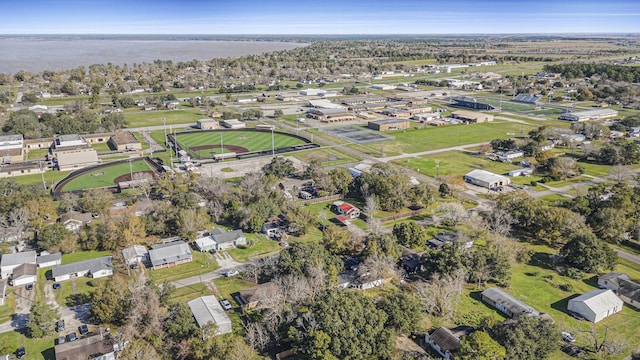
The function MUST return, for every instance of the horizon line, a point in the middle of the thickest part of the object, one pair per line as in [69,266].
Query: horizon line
[321,34]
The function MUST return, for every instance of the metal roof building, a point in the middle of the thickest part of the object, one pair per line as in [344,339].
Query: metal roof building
[206,310]
[507,304]
[596,305]
[587,115]
[486,179]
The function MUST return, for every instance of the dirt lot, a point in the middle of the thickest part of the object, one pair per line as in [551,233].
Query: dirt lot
[238,168]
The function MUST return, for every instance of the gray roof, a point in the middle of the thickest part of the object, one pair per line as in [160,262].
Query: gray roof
[69,137]
[629,289]
[445,339]
[599,300]
[48,258]
[389,121]
[168,253]
[484,176]
[2,287]
[515,306]
[27,257]
[226,237]
[77,158]
[25,270]
[91,265]
[207,309]
[133,252]
[15,137]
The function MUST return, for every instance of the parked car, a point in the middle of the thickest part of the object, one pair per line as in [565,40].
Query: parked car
[226,304]
[566,336]
[60,340]
[21,352]
[72,337]
[83,329]
[29,286]
[56,286]
[60,325]
[231,273]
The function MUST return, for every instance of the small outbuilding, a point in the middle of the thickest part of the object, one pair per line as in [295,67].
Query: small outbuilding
[596,305]
[447,341]
[207,310]
[46,260]
[207,124]
[135,254]
[233,124]
[124,141]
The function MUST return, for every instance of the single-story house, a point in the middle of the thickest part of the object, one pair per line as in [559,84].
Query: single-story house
[272,228]
[344,208]
[227,239]
[205,244]
[95,268]
[510,155]
[75,220]
[24,274]
[135,254]
[622,285]
[507,304]
[486,179]
[262,294]
[96,347]
[46,260]
[2,291]
[207,310]
[596,305]
[447,341]
[169,254]
[11,261]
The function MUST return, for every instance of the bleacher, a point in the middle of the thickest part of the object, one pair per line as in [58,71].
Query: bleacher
[526,99]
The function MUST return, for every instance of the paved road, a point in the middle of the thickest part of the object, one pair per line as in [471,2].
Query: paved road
[627,256]
[429,152]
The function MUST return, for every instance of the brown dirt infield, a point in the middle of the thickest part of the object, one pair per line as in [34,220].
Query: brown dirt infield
[231,148]
[127,177]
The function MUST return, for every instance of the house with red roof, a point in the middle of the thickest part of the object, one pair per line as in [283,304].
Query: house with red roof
[346,209]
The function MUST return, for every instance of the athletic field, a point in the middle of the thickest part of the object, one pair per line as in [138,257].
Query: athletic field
[206,144]
[106,176]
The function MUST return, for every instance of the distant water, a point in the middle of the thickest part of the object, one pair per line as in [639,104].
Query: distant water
[38,54]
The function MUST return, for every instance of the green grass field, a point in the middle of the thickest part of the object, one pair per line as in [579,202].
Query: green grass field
[136,118]
[108,174]
[251,140]
[432,138]
[454,162]
[202,263]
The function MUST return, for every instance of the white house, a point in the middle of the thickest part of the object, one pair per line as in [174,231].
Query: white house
[11,261]
[169,254]
[486,179]
[24,274]
[46,260]
[346,209]
[135,254]
[205,244]
[596,305]
[95,268]
[207,310]
[227,239]
[622,285]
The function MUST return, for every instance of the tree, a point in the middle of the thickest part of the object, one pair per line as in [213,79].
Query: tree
[337,240]
[528,338]
[52,236]
[410,234]
[480,346]
[382,245]
[41,211]
[42,319]
[588,253]
[610,223]
[96,201]
[343,325]
[109,302]
[341,180]
[279,167]
[604,346]
[180,325]
[440,295]
[278,113]
[301,258]
[404,312]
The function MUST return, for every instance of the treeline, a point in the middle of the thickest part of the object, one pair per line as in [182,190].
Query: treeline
[82,121]
[612,72]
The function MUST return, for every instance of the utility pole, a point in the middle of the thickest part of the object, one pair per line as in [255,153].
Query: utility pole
[44,183]
[273,143]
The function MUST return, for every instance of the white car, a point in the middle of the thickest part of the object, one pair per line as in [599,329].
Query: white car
[231,273]
[225,304]
[568,337]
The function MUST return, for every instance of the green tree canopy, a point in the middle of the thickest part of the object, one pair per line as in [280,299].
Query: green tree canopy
[343,325]
[480,346]
[279,167]
[42,318]
[404,312]
[528,338]
[588,253]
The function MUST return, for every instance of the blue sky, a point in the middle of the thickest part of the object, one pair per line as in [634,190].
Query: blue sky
[317,16]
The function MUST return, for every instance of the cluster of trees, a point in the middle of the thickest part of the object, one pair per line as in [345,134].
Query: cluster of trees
[78,120]
[580,70]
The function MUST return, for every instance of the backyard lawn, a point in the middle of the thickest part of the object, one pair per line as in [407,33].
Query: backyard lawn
[202,263]
[261,247]
[454,162]
[188,293]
